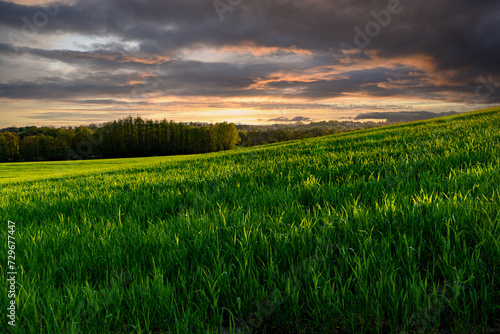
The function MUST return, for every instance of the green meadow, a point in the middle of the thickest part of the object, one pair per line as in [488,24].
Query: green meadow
[388,230]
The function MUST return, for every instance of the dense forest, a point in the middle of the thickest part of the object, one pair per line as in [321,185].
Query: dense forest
[136,137]
[129,137]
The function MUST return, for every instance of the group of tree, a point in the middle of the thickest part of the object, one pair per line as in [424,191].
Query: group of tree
[260,135]
[136,137]
[129,137]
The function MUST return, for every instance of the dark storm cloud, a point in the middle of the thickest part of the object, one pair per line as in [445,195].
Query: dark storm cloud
[460,38]
[176,78]
[403,116]
[457,32]
[47,90]
[110,59]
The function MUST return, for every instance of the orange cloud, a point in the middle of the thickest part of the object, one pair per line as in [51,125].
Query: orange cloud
[306,75]
[251,48]
[262,50]
[420,62]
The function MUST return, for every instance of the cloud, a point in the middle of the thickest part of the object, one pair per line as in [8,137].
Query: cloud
[297,119]
[469,31]
[284,52]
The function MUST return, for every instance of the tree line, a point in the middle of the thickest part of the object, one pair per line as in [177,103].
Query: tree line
[128,137]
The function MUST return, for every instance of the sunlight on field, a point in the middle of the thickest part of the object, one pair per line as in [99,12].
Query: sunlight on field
[26,171]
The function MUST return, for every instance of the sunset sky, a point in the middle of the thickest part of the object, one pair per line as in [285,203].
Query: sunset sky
[76,62]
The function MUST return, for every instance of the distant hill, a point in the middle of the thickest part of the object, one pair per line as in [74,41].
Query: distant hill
[403,116]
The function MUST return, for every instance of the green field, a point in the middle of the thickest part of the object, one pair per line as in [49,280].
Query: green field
[387,230]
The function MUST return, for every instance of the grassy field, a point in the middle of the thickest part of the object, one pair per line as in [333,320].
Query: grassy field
[388,230]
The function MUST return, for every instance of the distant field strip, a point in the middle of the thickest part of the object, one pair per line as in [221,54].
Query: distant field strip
[386,230]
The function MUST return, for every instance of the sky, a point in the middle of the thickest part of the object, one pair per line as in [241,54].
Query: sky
[75,62]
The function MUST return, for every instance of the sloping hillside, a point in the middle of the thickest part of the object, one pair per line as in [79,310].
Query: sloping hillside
[385,230]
